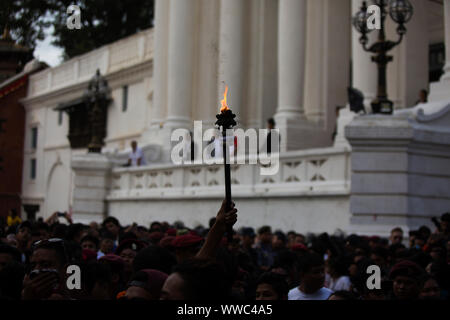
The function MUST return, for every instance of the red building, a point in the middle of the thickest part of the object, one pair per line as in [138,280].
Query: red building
[12,120]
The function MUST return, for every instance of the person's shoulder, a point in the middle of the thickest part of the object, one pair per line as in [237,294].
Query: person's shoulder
[325,292]
[293,293]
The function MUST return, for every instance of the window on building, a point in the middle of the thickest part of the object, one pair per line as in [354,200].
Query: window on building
[124,98]
[34,137]
[33,169]
[60,117]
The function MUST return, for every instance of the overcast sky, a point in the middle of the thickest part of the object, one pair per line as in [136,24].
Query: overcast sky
[46,52]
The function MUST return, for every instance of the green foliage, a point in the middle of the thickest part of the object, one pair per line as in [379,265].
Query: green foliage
[103,22]
[25,20]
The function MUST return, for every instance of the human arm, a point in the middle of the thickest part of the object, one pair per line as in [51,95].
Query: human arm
[217,231]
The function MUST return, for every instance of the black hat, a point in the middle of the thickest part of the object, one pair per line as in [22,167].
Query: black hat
[247,232]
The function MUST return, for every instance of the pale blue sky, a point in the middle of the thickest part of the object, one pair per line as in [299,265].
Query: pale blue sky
[46,52]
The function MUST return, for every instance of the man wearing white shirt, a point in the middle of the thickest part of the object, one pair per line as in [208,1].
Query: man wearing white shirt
[312,278]
[136,156]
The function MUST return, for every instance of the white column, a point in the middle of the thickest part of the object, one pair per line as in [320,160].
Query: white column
[160,62]
[206,104]
[446,75]
[231,54]
[290,118]
[291,57]
[364,71]
[180,63]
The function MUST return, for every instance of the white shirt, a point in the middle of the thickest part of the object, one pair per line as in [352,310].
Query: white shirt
[321,294]
[134,156]
[341,283]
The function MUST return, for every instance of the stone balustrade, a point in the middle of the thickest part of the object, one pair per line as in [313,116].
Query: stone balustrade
[312,172]
[109,58]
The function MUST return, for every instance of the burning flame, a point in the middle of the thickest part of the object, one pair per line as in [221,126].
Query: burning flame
[224,101]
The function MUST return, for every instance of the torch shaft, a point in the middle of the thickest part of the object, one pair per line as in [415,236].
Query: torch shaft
[226,164]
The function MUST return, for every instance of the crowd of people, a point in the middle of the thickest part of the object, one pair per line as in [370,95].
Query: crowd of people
[165,261]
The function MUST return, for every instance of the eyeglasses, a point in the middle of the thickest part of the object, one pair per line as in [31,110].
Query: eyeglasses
[55,243]
[51,241]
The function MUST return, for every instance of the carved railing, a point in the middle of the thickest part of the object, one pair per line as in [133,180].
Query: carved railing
[109,58]
[317,172]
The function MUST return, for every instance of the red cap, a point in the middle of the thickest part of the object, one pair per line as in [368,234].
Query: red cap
[166,242]
[186,240]
[112,258]
[89,254]
[299,247]
[171,232]
[408,269]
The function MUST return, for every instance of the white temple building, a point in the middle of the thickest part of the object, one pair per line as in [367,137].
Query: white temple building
[288,59]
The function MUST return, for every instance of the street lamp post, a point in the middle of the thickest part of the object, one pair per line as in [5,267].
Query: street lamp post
[401,12]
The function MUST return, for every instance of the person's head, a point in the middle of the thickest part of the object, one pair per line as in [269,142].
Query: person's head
[13,213]
[76,231]
[271,286]
[312,272]
[300,238]
[445,223]
[43,229]
[23,233]
[187,246]
[430,289]
[197,279]
[134,145]
[107,245]
[396,235]
[406,276]
[112,225]
[8,254]
[154,257]
[89,242]
[156,227]
[265,234]
[270,123]
[128,250]
[423,96]
[96,278]
[145,285]
[116,265]
[379,256]
[247,236]
[49,254]
[279,240]
[342,295]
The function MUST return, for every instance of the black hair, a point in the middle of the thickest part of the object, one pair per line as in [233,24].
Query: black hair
[91,239]
[281,236]
[277,281]
[309,261]
[154,257]
[58,247]
[110,219]
[12,251]
[380,251]
[74,230]
[204,280]
[446,217]
[271,121]
[264,229]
